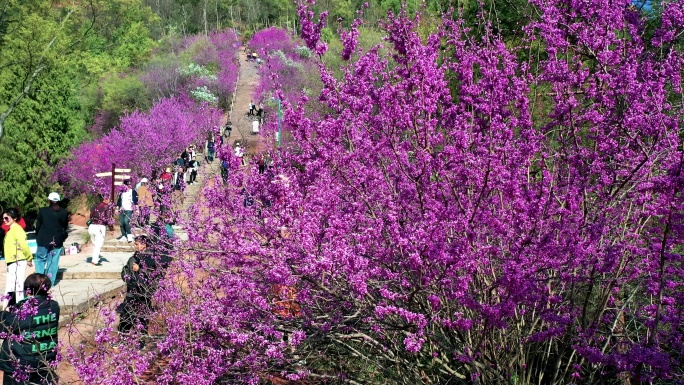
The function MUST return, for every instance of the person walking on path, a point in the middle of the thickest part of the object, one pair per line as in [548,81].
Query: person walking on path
[32,336]
[255,126]
[228,129]
[260,114]
[240,152]
[179,172]
[145,202]
[185,155]
[210,148]
[128,199]
[194,166]
[225,169]
[51,232]
[142,273]
[100,217]
[261,162]
[17,255]
[166,175]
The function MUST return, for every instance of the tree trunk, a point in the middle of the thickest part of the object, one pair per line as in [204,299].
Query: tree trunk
[204,17]
[218,24]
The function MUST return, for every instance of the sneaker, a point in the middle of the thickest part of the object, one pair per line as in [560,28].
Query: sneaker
[131,238]
[122,239]
[96,264]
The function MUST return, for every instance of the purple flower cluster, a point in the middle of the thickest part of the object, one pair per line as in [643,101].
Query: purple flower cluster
[144,142]
[272,39]
[459,209]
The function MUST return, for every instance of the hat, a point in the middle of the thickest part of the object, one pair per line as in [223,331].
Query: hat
[144,180]
[54,197]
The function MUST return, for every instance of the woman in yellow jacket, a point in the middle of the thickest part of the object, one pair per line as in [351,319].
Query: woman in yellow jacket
[17,255]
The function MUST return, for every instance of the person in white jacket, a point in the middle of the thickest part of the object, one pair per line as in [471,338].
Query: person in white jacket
[240,152]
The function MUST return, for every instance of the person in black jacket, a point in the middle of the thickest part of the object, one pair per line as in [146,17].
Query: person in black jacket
[142,273]
[32,326]
[51,232]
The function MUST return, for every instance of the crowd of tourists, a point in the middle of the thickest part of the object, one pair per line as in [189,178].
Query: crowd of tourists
[28,310]
[135,206]
[30,317]
[145,205]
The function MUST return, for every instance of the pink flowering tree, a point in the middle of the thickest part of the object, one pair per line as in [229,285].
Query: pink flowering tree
[227,46]
[148,141]
[458,214]
[271,39]
[145,142]
[211,67]
[287,72]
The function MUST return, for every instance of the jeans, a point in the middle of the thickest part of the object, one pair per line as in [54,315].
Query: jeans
[47,262]
[97,235]
[125,222]
[210,155]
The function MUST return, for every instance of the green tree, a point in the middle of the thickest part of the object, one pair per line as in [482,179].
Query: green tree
[52,56]
[123,93]
[44,126]
[33,35]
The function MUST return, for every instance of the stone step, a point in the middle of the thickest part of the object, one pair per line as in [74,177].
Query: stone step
[71,300]
[118,247]
[95,274]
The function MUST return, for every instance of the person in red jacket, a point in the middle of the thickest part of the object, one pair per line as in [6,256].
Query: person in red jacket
[166,176]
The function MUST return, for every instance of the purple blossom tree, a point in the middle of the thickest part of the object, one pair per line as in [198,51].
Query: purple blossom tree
[457,214]
[149,141]
[272,39]
[144,142]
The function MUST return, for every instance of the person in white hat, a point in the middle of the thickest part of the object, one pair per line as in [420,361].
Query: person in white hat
[51,232]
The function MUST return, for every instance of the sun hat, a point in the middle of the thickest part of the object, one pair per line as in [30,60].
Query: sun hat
[144,180]
[54,197]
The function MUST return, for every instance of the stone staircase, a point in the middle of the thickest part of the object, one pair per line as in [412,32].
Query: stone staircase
[184,202]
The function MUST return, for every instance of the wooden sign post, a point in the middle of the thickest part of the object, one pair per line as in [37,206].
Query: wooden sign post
[114,176]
